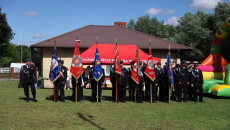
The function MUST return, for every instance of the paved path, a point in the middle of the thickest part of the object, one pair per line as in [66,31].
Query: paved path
[8,79]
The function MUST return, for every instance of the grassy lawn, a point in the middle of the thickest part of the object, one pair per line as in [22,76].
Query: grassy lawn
[16,113]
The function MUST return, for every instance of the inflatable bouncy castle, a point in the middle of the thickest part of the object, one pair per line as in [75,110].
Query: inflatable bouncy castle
[215,68]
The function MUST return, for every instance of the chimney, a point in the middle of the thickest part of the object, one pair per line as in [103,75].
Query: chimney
[122,24]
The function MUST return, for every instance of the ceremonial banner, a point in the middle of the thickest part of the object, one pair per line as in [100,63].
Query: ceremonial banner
[54,68]
[169,68]
[149,69]
[97,73]
[117,68]
[134,74]
[76,65]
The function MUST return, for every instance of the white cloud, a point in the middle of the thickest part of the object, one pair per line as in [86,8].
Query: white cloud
[173,21]
[155,11]
[37,35]
[31,13]
[204,4]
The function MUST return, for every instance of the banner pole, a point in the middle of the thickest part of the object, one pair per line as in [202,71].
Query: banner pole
[135,95]
[169,90]
[116,88]
[54,91]
[97,91]
[151,90]
[76,94]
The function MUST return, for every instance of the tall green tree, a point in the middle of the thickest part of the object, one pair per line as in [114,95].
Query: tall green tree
[6,33]
[131,24]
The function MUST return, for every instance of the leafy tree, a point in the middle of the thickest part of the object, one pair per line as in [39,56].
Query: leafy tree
[131,24]
[6,33]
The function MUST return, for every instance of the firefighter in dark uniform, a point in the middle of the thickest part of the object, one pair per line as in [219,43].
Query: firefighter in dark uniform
[94,85]
[176,83]
[197,83]
[28,78]
[190,80]
[183,80]
[60,82]
[161,82]
[140,85]
[113,81]
[132,84]
[122,83]
[80,84]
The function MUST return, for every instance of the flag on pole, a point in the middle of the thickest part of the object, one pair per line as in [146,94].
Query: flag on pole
[117,68]
[169,68]
[134,74]
[149,69]
[76,65]
[54,67]
[97,72]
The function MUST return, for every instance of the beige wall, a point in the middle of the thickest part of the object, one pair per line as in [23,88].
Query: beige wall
[67,54]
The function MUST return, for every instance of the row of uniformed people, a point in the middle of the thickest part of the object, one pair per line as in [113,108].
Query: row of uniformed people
[186,81]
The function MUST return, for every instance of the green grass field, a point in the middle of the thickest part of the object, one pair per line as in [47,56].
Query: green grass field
[16,113]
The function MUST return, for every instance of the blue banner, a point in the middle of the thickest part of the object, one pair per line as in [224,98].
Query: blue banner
[54,68]
[97,72]
[169,68]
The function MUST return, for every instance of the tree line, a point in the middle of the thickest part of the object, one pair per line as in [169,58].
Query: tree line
[194,30]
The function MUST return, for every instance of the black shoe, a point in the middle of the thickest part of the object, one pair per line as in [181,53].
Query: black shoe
[63,100]
[27,99]
[154,101]
[56,101]
[35,100]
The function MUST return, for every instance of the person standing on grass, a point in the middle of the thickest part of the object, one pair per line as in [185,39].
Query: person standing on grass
[183,80]
[131,83]
[28,78]
[161,82]
[61,81]
[67,79]
[122,83]
[197,83]
[37,74]
[80,85]
[86,76]
[113,81]
[94,84]
[190,80]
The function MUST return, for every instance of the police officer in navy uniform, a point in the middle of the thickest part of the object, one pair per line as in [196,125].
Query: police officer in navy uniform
[60,82]
[80,84]
[28,78]
[183,80]
[122,83]
[94,84]
[197,83]
[131,82]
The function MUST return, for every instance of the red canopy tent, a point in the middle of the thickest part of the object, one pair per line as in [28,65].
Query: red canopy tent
[127,53]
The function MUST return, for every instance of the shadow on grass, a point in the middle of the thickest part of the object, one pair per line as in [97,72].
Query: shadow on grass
[107,98]
[22,98]
[86,118]
[214,97]
[51,97]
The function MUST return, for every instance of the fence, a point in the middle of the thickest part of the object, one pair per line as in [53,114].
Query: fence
[8,72]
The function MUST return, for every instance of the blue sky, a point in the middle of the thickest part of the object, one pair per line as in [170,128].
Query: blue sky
[43,19]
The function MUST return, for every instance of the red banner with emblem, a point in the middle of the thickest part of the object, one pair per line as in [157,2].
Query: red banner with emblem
[117,67]
[149,69]
[134,74]
[76,65]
